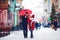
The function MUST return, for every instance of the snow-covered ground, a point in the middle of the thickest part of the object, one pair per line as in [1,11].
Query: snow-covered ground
[42,34]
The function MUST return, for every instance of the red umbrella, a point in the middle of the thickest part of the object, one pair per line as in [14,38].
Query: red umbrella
[22,12]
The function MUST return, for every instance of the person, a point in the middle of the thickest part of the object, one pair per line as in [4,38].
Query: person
[31,29]
[36,25]
[24,24]
[55,24]
[39,24]
[31,26]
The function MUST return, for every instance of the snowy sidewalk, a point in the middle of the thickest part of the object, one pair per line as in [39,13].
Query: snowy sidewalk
[42,34]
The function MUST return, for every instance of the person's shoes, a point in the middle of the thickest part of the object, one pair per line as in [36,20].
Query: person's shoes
[55,29]
[25,37]
[31,37]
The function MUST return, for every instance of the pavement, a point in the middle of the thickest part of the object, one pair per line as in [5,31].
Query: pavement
[40,34]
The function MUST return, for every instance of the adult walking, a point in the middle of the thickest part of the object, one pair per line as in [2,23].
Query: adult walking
[25,13]
[24,24]
[31,25]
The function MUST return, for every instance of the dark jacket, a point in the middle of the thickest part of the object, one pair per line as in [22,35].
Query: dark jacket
[24,22]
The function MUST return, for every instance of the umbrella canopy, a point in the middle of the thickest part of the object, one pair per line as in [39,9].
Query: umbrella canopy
[22,12]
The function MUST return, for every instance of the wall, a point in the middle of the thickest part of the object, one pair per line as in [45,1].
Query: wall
[3,11]
[4,5]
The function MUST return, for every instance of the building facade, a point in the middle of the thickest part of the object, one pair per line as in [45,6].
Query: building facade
[56,4]
[3,11]
[14,7]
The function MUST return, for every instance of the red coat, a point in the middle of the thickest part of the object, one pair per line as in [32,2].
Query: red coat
[31,24]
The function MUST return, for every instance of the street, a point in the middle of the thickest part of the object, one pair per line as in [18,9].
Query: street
[20,14]
[40,34]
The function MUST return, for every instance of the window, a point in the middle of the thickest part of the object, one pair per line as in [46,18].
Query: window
[3,1]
